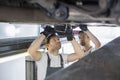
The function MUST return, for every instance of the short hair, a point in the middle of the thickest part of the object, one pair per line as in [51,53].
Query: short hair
[83,33]
[49,37]
[80,32]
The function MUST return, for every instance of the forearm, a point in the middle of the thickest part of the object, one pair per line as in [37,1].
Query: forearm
[77,49]
[36,44]
[93,39]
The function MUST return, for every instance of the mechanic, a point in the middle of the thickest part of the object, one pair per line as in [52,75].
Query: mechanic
[52,61]
[85,36]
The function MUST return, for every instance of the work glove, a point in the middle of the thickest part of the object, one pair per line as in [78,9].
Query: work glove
[69,33]
[83,27]
[48,31]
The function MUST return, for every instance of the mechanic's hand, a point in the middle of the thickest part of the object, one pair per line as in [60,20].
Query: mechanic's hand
[83,27]
[69,33]
[48,31]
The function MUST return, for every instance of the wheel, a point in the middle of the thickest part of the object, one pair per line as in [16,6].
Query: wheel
[60,13]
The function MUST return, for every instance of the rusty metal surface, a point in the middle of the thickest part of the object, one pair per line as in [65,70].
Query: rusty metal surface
[102,64]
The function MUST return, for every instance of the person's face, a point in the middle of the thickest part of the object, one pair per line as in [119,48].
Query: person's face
[84,39]
[54,43]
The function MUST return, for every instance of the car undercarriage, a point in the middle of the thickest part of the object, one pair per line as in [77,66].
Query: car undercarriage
[107,11]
